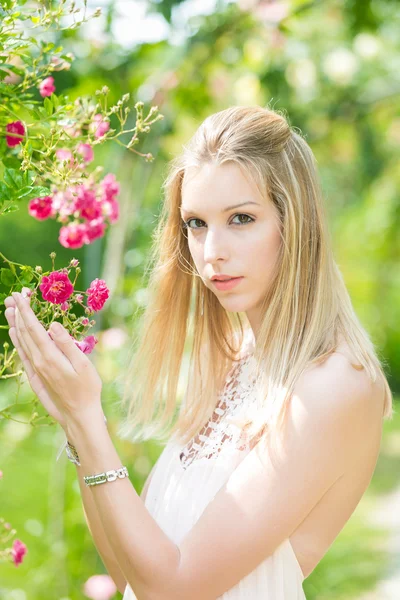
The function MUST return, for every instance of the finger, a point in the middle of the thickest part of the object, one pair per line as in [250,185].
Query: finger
[66,344]
[35,337]
[21,353]
[35,381]
[9,314]
[10,302]
[20,337]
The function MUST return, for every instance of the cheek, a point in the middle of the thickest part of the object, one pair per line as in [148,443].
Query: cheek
[196,252]
[262,253]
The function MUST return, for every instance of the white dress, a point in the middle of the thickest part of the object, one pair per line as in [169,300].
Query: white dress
[186,478]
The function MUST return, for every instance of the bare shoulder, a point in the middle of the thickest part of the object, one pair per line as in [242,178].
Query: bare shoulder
[337,390]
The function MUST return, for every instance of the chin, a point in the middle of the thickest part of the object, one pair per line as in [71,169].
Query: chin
[234,304]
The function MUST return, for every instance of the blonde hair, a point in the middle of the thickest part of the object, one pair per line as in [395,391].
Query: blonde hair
[306,310]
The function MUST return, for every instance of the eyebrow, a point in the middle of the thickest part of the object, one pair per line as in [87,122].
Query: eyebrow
[225,209]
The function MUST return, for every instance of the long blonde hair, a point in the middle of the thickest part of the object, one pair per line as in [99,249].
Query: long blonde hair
[306,310]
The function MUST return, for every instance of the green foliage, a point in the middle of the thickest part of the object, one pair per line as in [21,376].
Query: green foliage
[17,187]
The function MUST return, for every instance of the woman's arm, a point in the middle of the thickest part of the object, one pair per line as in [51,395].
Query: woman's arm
[100,539]
[97,532]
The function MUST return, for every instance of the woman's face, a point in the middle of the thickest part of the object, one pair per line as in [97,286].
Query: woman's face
[239,242]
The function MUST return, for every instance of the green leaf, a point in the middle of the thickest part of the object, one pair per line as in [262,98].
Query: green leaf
[47,47]
[7,277]
[29,177]
[11,162]
[5,192]
[34,112]
[26,275]
[55,100]
[48,105]
[13,68]
[13,179]
[33,192]
[11,209]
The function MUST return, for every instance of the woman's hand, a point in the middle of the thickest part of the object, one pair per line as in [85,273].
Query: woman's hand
[46,397]
[59,373]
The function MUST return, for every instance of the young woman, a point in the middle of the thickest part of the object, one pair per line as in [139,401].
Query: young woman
[278,434]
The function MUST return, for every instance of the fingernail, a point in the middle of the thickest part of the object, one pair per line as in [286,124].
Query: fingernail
[24,294]
[56,327]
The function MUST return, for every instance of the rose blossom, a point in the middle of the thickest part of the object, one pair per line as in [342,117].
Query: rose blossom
[41,208]
[87,205]
[73,235]
[73,130]
[64,202]
[98,293]
[47,87]
[86,151]
[14,127]
[99,126]
[100,587]
[87,344]
[65,154]
[56,288]
[110,186]
[111,210]
[18,552]
[95,229]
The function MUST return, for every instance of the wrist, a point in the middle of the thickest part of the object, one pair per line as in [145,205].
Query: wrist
[83,423]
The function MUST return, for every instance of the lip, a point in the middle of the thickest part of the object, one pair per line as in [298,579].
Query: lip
[227,285]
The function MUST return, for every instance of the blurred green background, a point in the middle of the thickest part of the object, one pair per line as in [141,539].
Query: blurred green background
[334,68]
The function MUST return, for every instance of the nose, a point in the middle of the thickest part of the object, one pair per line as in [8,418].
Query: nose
[215,246]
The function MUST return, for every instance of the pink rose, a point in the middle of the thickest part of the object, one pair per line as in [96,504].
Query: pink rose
[87,204]
[56,288]
[99,126]
[99,587]
[72,130]
[47,87]
[41,208]
[65,154]
[111,210]
[73,235]
[98,293]
[95,229]
[1,474]
[87,344]
[64,202]
[110,186]
[15,127]
[86,151]
[18,552]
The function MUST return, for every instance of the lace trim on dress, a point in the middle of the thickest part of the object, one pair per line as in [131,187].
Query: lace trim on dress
[221,432]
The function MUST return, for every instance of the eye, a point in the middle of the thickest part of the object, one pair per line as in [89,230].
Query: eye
[187,226]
